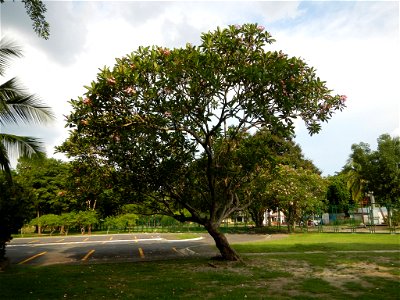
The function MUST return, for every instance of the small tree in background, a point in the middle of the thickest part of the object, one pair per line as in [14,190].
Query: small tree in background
[376,171]
[67,221]
[282,151]
[49,221]
[86,219]
[299,192]
[45,181]
[338,194]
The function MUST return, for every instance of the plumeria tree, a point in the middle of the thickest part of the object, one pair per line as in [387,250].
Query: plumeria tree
[167,119]
[281,151]
[299,192]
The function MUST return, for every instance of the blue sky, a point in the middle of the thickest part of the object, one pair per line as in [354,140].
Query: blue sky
[354,46]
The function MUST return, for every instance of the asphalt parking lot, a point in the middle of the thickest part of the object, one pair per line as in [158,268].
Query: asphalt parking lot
[115,247]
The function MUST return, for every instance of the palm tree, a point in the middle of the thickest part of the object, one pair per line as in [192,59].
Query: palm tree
[16,107]
[355,182]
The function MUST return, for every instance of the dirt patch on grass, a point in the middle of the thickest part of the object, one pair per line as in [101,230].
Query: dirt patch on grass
[353,274]
[293,277]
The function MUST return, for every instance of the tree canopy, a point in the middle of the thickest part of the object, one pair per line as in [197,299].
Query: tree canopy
[299,193]
[284,153]
[173,122]
[45,180]
[90,186]
[339,194]
[376,171]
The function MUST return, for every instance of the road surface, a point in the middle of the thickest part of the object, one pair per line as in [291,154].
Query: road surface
[113,247]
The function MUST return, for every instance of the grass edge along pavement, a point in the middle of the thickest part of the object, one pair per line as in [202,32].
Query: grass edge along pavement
[278,275]
[303,242]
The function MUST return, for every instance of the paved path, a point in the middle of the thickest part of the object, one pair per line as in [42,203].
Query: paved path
[115,247]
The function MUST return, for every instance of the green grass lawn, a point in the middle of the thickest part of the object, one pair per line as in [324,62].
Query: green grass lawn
[274,269]
[325,242]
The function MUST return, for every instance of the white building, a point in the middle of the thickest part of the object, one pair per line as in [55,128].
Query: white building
[273,217]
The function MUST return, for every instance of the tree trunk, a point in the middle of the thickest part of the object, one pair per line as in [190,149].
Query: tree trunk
[222,243]
[291,227]
[290,219]
[39,227]
[259,220]
[258,216]
[2,249]
[389,216]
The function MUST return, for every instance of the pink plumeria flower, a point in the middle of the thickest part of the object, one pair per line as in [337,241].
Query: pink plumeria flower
[261,28]
[87,101]
[130,90]
[111,80]
[164,51]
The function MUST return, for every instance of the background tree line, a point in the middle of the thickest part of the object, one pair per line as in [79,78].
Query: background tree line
[292,183]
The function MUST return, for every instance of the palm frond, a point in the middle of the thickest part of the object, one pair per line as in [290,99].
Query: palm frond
[17,105]
[7,51]
[355,182]
[20,145]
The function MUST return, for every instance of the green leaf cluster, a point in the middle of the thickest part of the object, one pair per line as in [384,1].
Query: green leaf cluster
[66,221]
[44,180]
[14,211]
[36,10]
